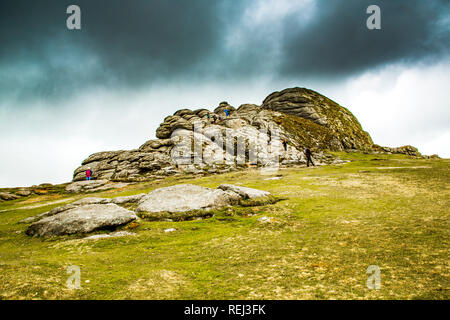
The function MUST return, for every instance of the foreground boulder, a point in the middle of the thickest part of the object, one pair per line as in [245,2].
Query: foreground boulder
[186,197]
[83,202]
[82,219]
[94,213]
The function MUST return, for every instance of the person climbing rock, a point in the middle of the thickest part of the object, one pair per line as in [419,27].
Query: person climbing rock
[214,118]
[208,116]
[226,112]
[88,174]
[284,142]
[308,154]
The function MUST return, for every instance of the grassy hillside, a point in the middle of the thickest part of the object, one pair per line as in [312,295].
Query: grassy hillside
[384,210]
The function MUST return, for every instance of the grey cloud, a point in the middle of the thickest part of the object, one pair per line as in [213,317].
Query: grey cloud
[337,41]
[128,44]
[120,43]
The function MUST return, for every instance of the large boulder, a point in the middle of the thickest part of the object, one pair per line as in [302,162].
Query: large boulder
[83,202]
[82,219]
[172,123]
[220,110]
[186,197]
[295,101]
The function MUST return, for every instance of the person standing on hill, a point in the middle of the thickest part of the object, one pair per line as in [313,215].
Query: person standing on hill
[284,145]
[88,173]
[308,154]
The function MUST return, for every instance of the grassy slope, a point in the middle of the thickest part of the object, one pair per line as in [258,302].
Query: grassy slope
[337,221]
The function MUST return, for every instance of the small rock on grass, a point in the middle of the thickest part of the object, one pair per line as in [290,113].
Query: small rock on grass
[110,235]
[265,219]
[273,178]
[244,192]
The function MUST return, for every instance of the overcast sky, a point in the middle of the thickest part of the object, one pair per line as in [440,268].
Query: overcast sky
[65,94]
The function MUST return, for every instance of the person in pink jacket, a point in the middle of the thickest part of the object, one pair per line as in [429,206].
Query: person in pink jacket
[88,173]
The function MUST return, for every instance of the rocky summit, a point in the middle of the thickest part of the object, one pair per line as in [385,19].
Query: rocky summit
[226,139]
[343,131]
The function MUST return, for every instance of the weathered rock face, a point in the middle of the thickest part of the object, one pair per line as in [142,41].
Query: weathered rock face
[151,159]
[186,197]
[310,105]
[81,219]
[201,141]
[201,146]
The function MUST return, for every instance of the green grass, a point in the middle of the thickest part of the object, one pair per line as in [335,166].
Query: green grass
[332,223]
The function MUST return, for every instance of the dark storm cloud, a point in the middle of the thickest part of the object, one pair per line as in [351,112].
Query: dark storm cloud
[337,41]
[125,44]
[143,39]
[120,43]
